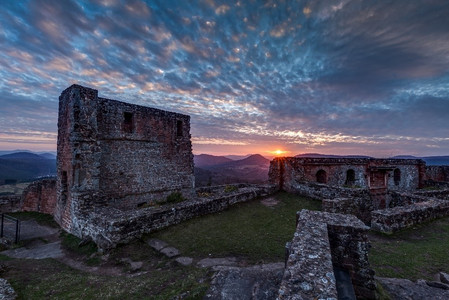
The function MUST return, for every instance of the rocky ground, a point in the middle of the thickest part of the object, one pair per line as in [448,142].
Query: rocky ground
[231,277]
[401,289]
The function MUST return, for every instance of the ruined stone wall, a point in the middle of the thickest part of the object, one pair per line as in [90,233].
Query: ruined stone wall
[40,196]
[342,200]
[116,154]
[109,226]
[439,194]
[286,172]
[321,242]
[146,162]
[323,191]
[404,199]
[349,248]
[400,217]
[290,170]
[78,155]
[10,203]
[309,272]
[359,207]
[437,173]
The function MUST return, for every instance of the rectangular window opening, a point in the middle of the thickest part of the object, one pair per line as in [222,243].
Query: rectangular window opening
[179,128]
[128,122]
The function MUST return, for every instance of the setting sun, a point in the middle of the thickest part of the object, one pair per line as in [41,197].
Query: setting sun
[279,152]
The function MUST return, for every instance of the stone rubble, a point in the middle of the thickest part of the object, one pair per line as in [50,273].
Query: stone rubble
[6,290]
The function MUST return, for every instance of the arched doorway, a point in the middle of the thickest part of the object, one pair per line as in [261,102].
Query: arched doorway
[321,176]
[350,177]
[397,176]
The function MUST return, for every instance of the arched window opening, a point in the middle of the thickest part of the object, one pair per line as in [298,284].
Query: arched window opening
[397,176]
[321,176]
[350,177]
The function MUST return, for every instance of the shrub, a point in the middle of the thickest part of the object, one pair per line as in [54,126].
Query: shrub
[230,188]
[75,244]
[204,194]
[175,197]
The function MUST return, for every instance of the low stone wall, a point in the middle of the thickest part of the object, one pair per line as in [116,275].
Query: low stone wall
[222,189]
[10,203]
[437,184]
[108,227]
[323,241]
[400,217]
[439,194]
[321,191]
[308,272]
[359,207]
[349,248]
[40,196]
[355,201]
[404,199]
[437,173]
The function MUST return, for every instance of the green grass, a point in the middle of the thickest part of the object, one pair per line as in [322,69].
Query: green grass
[431,188]
[40,218]
[230,188]
[418,252]
[174,197]
[72,243]
[250,230]
[53,280]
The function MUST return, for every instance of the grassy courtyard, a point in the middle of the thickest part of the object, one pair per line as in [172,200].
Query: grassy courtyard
[251,230]
[413,253]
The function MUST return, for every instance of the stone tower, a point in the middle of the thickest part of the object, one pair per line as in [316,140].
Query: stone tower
[118,155]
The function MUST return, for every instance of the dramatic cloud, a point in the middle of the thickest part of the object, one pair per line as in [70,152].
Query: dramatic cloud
[343,76]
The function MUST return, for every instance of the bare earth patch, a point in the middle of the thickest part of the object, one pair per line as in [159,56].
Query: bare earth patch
[270,201]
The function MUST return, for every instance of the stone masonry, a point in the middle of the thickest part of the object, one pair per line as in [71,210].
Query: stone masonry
[109,226]
[437,173]
[348,185]
[115,154]
[10,203]
[40,196]
[371,173]
[324,241]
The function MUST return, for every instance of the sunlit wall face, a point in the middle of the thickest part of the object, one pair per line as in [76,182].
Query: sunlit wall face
[347,77]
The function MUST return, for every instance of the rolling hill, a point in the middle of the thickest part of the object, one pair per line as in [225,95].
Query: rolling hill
[206,160]
[253,169]
[25,166]
[430,160]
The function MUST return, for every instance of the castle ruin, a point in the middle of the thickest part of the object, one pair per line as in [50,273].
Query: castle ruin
[116,154]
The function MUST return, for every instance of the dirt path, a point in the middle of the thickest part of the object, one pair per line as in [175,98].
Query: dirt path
[42,242]
[98,270]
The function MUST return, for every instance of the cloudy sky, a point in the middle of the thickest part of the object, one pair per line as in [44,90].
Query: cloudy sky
[342,77]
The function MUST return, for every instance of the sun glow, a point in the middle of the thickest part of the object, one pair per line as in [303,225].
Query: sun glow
[278,152]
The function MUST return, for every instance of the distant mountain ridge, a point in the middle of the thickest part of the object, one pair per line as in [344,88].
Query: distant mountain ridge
[252,169]
[317,155]
[255,159]
[45,154]
[237,157]
[205,160]
[430,160]
[22,155]
[26,166]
